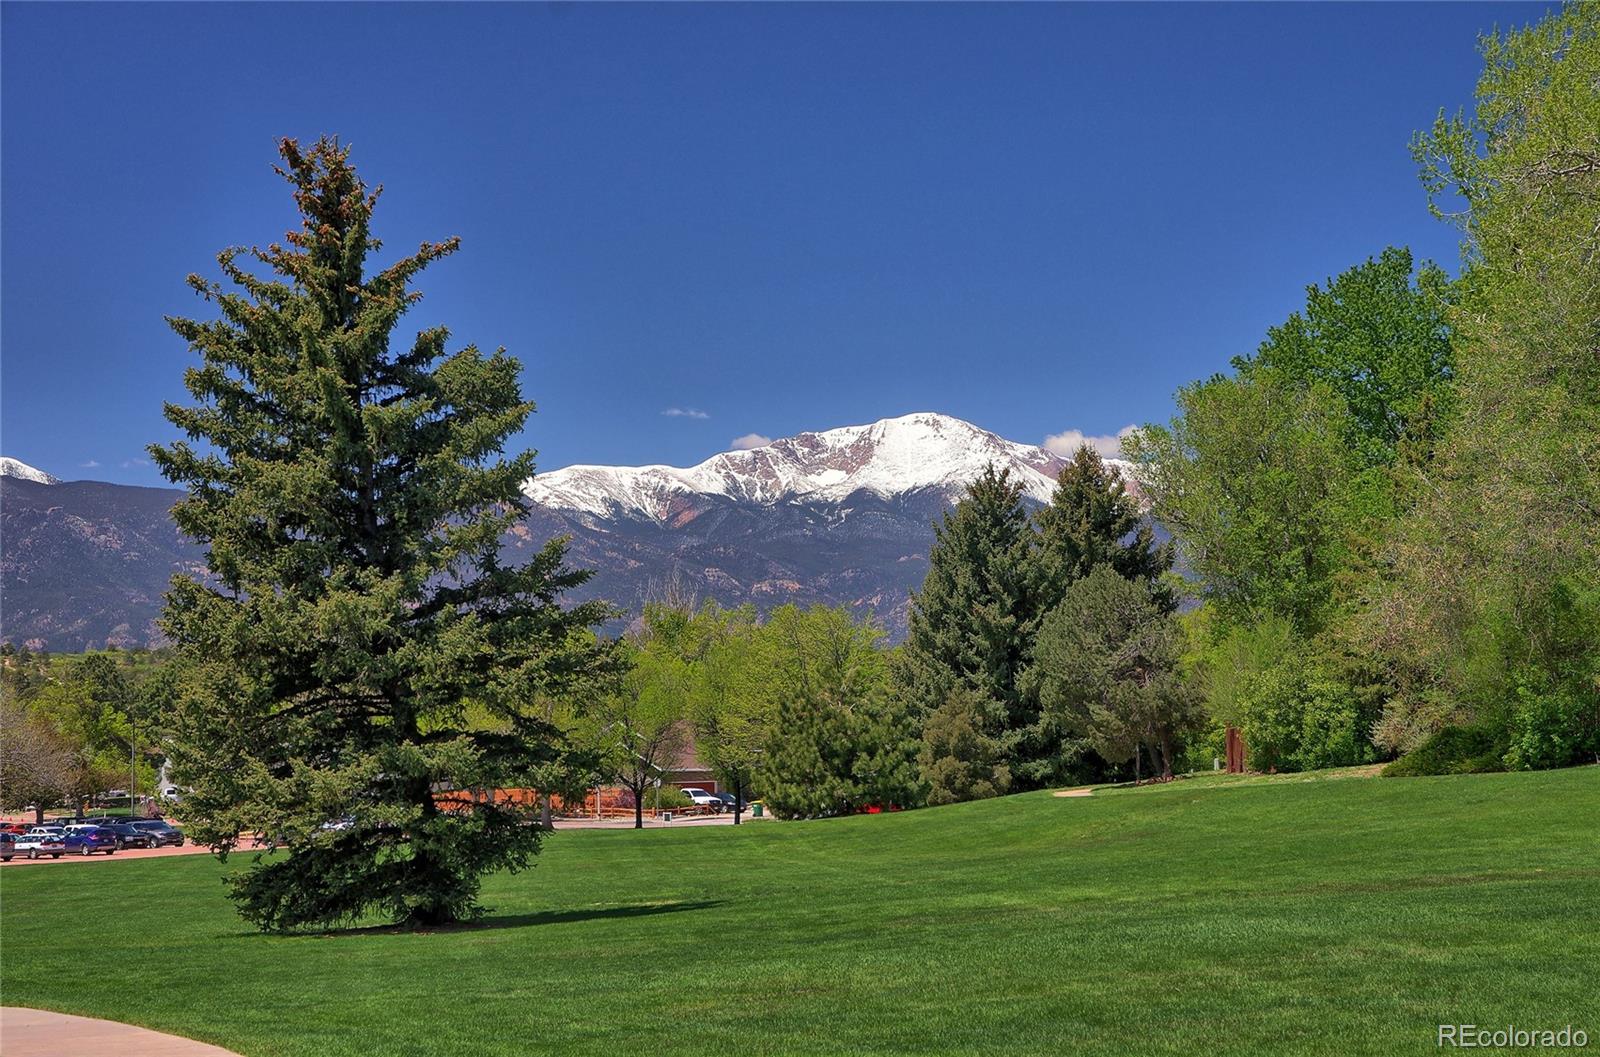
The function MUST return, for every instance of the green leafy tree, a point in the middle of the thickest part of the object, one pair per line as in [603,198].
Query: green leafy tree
[734,709]
[1379,339]
[642,729]
[352,497]
[1256,479]
[87,701]
[1108,668]
[1485,603]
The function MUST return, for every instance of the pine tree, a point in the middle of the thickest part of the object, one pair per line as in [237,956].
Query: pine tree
[972,624]
[840,741]
[958,760]
[352,498]
[1092,520]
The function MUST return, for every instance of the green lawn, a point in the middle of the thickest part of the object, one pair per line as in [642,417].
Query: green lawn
[1215,915]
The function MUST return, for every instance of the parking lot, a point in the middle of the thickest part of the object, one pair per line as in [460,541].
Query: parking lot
[90,839]
[187,848]
[126,853]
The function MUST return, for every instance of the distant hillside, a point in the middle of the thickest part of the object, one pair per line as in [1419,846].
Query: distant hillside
[83,564]
[844,516]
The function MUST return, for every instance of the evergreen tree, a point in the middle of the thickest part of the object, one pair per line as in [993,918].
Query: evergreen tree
[352,498]
[958,760]
[840,741]
[972,623]
[1092,520]
[1107,669]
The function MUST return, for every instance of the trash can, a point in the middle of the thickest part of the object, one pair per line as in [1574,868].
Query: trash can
[755,809]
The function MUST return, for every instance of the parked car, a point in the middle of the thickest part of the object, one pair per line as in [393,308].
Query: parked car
[8,845]
[14,828]
[729,802]
[701,798]
[164,832]
[86,840]
[129,836]
[41,840]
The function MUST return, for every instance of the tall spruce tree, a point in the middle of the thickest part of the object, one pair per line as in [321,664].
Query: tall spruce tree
[1092,520]
[352,499]
[972,624]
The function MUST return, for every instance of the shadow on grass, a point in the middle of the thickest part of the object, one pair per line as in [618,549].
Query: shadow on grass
[503,921]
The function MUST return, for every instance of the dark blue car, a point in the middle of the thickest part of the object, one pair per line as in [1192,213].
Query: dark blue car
[128,836]
[86,840]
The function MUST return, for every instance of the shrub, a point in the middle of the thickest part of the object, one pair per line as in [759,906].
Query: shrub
[672,798]
[1453,750]
[1552,728]
[1299,715]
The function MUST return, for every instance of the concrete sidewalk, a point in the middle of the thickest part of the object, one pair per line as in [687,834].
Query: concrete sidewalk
[37,1033]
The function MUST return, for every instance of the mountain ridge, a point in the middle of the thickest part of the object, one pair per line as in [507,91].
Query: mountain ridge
[837,517]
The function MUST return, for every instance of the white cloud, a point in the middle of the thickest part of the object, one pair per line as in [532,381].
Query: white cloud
[91,464]
[684,412]
[750,440]
[128,464]
[1109,445]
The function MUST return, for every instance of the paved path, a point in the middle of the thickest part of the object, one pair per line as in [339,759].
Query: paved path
[36,1033]
[1085,791]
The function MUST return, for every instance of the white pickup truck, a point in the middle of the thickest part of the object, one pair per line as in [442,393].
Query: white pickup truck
[700,798]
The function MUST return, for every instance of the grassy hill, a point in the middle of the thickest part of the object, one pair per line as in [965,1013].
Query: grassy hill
[1214,915]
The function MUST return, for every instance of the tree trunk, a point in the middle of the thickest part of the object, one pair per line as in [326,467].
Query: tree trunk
[738,799]
[38,812]
[545,821]
[638,809]
[1166,753]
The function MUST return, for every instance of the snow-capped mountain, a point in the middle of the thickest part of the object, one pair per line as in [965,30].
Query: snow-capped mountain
[889,458]
[13,468]
[844,516]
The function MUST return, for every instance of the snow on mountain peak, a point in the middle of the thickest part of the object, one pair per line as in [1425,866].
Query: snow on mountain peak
[21,470]
[889,457]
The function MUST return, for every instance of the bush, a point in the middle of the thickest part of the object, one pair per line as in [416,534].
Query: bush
[1454,750]
[672,798]
[1553,728]
[1299,717]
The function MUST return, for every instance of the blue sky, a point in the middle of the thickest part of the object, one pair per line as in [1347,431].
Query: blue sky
[1039,218]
